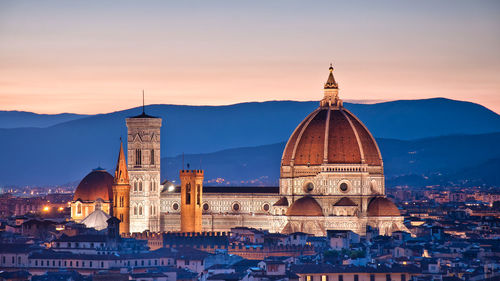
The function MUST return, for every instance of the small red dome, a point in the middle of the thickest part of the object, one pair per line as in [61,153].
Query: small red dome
[305,206]
[97,184]
[382,207]
[347,140]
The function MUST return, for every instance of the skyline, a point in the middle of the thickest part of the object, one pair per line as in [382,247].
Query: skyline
[92,57]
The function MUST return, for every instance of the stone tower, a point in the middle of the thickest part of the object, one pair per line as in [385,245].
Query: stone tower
[121,193]
[191,198]
[144,171]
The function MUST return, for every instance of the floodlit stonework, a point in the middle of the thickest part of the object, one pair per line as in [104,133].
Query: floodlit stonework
[143,148]
[332,177]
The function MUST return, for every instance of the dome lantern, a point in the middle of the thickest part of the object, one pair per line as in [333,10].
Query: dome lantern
[331,91]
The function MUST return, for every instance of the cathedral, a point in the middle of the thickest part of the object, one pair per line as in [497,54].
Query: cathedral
[331,177]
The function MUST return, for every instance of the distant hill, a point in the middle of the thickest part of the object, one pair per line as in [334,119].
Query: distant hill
[22,119]
[67,150]
[467,160]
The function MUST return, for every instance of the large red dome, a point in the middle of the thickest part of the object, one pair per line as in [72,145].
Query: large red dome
[331,135]
[97,184]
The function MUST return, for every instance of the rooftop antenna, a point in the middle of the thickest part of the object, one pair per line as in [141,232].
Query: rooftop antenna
[142,101]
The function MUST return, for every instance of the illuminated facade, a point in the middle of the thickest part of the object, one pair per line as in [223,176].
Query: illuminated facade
[331,177]
[143,148]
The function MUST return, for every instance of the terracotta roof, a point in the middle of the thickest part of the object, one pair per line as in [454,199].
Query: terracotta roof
[97,184]
[382,207]
[348,140]
[305,206]
[281,202]
[344,201]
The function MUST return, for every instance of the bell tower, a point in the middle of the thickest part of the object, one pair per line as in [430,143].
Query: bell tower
[121,193]
[191,198]
[144,170]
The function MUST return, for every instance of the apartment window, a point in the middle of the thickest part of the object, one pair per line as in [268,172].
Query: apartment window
[71,264]
[324,278]
[59,263]
[138,157]
[53,263]
[77,264]
[102,264]
[356,277]
[341,277]
[90,264]
[3,259]
[309,278]
[36,262]
[372,277]
[188,193]
[387,277]
[403,277]
[13,260]
[152,156]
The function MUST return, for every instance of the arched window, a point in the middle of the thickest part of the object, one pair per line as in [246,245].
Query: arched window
[198,194]
[138,157]
[188,193]
[140,210]
[135,210]
[152,156]
[140,186]
[121,217]
[151,186]
[135,186]
[121,201]
[79,208]
[151,209]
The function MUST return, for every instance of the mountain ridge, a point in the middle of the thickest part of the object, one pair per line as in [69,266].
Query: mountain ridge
[66,151]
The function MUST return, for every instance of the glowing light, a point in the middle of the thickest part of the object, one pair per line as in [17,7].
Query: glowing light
[46,208]
[60,209]
[171,188]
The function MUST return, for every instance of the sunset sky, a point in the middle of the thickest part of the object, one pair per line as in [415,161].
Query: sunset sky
[97,56]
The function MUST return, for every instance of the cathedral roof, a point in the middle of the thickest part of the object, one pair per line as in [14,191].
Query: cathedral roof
[331,134]
[345,202]
[97,184]
[281,202]
[382,207]
[305,206]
